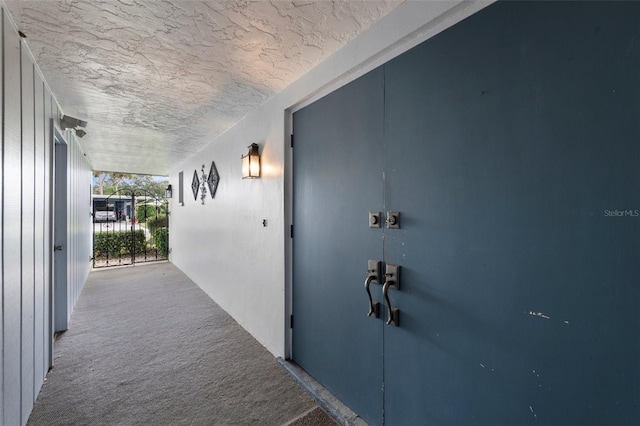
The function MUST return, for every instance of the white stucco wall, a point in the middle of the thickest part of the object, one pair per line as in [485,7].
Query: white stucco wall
[223,246]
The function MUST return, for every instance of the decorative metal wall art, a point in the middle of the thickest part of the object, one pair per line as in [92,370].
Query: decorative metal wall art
[213,179]
[203,186]
[200,183]
[195,184]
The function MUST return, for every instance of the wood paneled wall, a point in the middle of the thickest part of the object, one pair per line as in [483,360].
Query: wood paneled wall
[79,222]
[26,167]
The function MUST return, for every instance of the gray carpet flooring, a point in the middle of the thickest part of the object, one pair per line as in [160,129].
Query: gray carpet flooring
[146,346]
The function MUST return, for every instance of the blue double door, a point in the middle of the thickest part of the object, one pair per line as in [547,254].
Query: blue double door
[512,154]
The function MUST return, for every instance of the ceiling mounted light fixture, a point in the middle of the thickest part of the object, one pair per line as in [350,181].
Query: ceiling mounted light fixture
[68,122]
[71,122]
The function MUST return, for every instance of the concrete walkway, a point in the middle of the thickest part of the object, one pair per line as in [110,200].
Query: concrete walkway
[146,346]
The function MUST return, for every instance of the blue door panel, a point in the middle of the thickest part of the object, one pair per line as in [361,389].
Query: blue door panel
[337,181]
[508,137]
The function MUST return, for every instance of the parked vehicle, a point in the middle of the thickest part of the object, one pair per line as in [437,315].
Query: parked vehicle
[105,216]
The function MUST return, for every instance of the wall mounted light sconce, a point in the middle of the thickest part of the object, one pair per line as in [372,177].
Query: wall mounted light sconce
[168,192]
[251,163]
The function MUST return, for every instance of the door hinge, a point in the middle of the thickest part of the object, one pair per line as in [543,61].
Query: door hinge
[291,141]
[290,321]
[291,231]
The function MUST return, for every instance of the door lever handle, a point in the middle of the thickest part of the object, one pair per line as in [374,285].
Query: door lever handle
[392,280]
[373,274]
[374,306]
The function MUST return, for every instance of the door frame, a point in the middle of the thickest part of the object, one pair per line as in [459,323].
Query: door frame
[288,225]
[56,302]
[288,217]
[430,29]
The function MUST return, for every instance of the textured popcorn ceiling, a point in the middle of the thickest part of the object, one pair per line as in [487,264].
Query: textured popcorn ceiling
[157,80]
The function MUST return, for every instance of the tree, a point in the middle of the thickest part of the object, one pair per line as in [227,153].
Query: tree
[111,182]
[149,184]
[101,178]
[117,179]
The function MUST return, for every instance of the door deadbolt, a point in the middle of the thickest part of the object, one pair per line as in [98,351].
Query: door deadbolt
[374,220]
[393,220]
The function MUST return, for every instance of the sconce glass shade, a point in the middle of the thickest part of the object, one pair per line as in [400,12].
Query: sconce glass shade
[251,163]
[168,192]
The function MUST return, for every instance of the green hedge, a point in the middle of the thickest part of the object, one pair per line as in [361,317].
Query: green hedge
[153,223]
[145,212]
[161,237]
[118,243]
